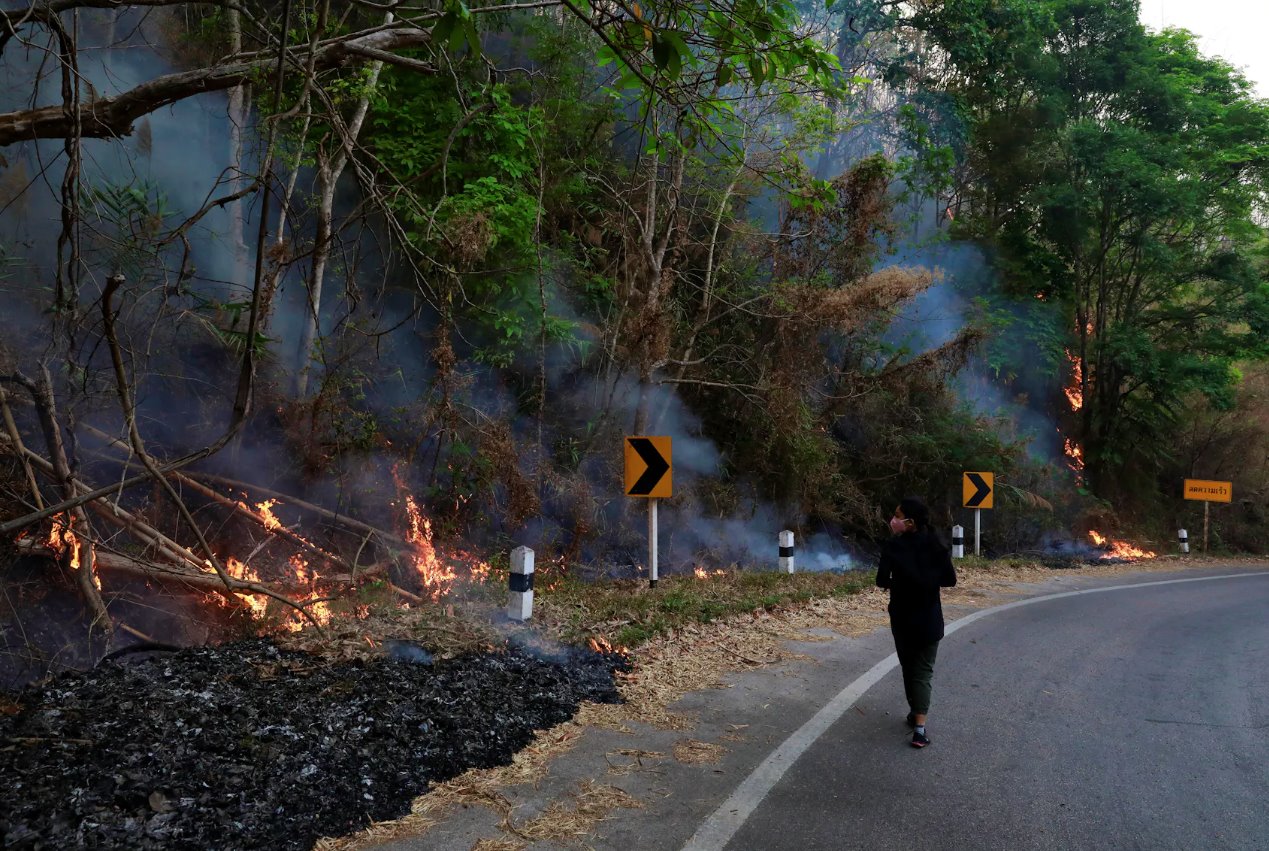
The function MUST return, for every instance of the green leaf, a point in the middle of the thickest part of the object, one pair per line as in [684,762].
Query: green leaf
[472,36]
[444,27]
[661,51]
[756,70]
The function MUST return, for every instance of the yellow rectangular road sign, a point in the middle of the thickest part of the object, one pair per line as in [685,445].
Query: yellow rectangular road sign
[1209,491]
[649,468]
[979,490]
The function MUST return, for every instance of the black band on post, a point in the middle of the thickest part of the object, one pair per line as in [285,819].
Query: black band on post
[786,552]
[521,582]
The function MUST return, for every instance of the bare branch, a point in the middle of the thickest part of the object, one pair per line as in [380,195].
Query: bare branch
[112,117]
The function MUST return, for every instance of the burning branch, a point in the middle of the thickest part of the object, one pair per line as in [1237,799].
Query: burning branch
[80,554]
[261,519]
[165,547]
[393,541]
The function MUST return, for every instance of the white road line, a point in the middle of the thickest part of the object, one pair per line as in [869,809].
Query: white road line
[717,830]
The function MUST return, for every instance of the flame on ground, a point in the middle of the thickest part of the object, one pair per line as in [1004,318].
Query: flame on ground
[1118,549]
[436,576]
[702,573]
[259,603]
[601,645]
[318,608]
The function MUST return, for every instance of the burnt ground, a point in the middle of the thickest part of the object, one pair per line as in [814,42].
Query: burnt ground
[246,745]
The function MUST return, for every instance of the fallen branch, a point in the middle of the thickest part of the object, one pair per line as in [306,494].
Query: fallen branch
[333,516]
[236,507]
[123,627]
[115,514]
[46,408]
[122,563]
[112,117]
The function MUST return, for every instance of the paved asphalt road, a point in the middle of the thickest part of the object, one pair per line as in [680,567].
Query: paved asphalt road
[1126,719]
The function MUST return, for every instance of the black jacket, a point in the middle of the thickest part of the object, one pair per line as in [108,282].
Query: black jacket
[914,566]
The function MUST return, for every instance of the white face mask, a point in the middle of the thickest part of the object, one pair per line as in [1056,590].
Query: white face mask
[898,526]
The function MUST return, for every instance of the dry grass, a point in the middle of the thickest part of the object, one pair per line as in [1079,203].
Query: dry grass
[625,761]
[497,845]
[569,821]
[694,752]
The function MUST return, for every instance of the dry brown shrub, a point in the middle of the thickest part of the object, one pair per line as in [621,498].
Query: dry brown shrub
[471,236]
[498,446]
[851,308]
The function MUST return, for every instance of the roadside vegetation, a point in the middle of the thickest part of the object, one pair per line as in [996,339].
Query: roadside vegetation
[442,260]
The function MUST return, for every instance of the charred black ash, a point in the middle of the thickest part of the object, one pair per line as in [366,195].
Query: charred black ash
[246,745]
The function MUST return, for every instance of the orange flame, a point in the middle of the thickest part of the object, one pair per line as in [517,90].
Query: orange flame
[702,573]
[480,571]
[1074,454]
[63,541]
[303,575]
[436,576]
[1118,549]
[259,603]
[1075,390]
[271,520]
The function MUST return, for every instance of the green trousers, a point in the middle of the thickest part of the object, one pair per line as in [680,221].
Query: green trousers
[917,661]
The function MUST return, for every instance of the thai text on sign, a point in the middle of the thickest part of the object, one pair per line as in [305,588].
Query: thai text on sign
[1209,491]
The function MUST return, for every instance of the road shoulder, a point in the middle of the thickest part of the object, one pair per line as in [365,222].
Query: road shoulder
[705,706]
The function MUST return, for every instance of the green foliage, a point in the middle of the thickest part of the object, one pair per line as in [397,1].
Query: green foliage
[1117,173]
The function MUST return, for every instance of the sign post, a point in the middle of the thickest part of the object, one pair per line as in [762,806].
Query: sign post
[650,475]
[652,543]
[978,492]
[1208,492]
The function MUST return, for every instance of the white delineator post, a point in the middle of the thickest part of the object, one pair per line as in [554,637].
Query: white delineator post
[520,585]
[786,551]
[1184,537]
[978,531]
[958,542]
[652,543]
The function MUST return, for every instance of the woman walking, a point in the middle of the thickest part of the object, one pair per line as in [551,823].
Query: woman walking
[914,565]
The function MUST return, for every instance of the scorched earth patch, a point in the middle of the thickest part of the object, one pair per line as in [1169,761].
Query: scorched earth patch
[246,745]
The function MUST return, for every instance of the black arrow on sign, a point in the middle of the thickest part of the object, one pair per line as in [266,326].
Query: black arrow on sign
[657,466]
[979,495]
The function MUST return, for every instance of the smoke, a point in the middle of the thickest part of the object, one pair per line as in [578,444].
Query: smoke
[967,290]
[181,152]
[408,651]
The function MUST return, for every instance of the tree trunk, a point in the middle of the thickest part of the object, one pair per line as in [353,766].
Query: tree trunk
[237,125]
[329,171]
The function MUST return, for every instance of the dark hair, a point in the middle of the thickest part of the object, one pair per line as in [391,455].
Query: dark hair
[915,510]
